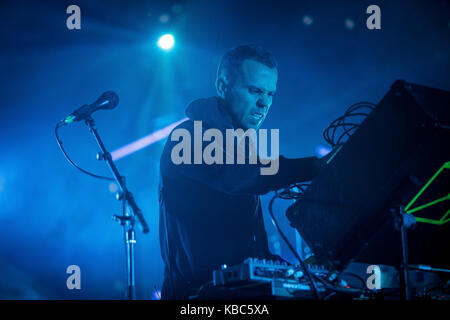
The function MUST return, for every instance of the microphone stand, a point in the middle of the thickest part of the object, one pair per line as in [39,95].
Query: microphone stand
[127,219]
[403,222]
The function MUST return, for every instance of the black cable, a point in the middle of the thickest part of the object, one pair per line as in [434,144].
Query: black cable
[289,193]
[354,275]
[200,289]
[302,264]
[346,132]
[329,295]
[310,275]
[362,104]
[58,140]
[329,134]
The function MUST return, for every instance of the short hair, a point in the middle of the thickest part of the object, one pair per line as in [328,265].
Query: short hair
[232,60]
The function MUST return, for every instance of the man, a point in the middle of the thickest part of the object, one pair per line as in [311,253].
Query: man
[210,214]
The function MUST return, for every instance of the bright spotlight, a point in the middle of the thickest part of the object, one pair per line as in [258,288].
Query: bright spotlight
[322,151]
[166,42]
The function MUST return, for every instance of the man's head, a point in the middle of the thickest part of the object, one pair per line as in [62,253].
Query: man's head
[246,81]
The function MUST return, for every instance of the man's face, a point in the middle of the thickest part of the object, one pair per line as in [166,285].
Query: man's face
[251,94]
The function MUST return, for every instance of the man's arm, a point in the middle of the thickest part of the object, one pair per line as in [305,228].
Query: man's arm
[240,178]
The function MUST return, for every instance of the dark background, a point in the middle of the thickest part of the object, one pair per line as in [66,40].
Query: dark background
[52,216]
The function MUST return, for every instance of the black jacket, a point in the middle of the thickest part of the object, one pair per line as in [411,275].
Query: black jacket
[211,214]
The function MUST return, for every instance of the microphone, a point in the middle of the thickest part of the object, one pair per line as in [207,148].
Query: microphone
[108,100]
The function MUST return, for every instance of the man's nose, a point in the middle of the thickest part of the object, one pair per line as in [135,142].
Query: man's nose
[263,101]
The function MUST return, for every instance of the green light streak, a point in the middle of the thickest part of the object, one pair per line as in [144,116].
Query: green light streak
[447,197]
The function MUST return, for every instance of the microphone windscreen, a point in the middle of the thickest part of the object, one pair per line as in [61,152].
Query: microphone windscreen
[108,100]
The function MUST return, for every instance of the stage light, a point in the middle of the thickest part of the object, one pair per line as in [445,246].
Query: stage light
[156,295]
[349,23]
[166,42]
[308,20]
[177,8]
[145,141]
[113,188]
[164,18]
[322,151]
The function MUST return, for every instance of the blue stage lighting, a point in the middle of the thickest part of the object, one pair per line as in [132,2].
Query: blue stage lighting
[166,42]
[322,150]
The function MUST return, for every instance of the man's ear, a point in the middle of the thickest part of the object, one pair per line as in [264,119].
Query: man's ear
[222,87]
